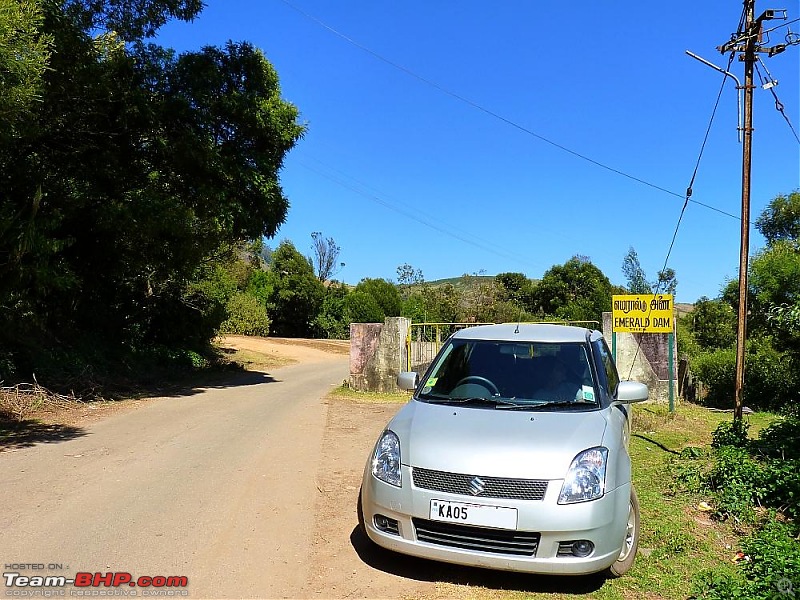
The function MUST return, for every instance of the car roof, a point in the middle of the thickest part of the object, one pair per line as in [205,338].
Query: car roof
[527,332]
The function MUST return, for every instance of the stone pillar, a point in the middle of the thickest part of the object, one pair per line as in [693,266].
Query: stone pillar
[378,354]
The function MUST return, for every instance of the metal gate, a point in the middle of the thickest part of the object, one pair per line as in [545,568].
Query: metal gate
[425,339]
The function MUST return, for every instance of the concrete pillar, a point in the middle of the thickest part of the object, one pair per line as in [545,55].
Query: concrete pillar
[378,354]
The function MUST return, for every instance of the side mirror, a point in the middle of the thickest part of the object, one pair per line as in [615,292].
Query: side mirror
[632,391]
[407,380]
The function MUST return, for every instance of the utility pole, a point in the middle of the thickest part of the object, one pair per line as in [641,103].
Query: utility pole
[747,43]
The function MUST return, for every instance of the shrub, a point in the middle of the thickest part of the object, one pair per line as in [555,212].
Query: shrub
[246,316]
[763,472]
[772,569]
[717,370]
[781,439]
[739,482]
[731,433]
[771,379]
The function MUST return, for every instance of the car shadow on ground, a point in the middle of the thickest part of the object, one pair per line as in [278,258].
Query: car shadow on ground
[427,570]
[24,434]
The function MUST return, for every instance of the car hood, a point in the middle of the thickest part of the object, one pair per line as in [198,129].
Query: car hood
[495,442]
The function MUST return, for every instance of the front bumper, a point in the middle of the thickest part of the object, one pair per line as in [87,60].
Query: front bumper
[602,522]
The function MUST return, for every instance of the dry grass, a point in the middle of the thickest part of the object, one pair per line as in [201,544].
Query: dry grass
[251,360]
[23,400]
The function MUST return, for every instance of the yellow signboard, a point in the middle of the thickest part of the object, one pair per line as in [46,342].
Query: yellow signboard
[643,313]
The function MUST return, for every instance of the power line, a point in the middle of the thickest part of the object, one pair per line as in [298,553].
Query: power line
[770,84]
[493,114]
[373,197]
[688,191]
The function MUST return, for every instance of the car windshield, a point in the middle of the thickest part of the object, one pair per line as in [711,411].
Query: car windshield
[512,375]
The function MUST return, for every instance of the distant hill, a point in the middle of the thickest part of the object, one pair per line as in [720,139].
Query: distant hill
[460,282]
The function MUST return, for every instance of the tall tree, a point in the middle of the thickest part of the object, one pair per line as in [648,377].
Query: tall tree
[408,275]
[665,283]
[385,293]
[326,256]
[138,165]
[712,323]
[634,274]
[294,295]
[781,219]
[575,291]
[514,287]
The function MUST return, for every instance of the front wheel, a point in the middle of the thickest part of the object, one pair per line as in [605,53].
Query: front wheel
[630,543]
[360,513]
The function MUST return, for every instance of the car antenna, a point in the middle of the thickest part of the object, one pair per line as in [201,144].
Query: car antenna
[519,318]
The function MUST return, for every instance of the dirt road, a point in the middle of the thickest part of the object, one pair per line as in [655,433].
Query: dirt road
[247,488]
[220,485]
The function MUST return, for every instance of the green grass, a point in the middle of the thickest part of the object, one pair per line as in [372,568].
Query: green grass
[677,539]
[346,393]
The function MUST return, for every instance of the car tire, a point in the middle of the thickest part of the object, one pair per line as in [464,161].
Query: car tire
[630,543]
[360,512]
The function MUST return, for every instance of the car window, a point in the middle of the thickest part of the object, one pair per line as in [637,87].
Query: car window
[606,367]
[511,374]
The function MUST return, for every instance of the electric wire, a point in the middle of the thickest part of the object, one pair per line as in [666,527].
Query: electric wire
[493,114]
[768,31]
[496,250]
[688,195]
[778,104]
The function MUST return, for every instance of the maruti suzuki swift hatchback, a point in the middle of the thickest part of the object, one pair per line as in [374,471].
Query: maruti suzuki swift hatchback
[512,454]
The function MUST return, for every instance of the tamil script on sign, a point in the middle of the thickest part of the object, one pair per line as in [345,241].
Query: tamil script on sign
[643,313]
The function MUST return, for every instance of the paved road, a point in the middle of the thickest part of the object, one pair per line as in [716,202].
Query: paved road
[217,486]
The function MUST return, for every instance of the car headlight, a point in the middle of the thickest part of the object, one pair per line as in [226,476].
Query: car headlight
[386,460]
[586,478]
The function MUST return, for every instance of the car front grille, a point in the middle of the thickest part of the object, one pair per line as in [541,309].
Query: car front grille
[493,487]
[496,541]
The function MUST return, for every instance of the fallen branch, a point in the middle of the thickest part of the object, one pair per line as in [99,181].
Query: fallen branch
[23,399]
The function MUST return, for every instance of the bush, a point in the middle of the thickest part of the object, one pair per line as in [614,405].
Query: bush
[763,472]
[739,482]
[246,316]
[717,371]
[781,439]
[731,433]
[771,378]
[771,570]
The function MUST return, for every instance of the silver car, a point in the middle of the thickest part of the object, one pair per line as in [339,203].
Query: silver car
[512,454]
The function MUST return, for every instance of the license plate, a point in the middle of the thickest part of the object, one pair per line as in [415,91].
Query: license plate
[473,514]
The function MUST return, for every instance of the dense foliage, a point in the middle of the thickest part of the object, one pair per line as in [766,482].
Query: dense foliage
[756,484]
[772,360]
[24,54]
[575,291]
[125,169]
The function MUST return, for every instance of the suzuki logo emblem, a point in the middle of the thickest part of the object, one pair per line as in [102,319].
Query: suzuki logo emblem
[476,486]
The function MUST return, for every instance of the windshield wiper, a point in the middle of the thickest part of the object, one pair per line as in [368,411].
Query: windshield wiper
[559,403]
[442,399]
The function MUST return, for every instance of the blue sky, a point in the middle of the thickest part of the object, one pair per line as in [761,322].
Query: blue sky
[425,126]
